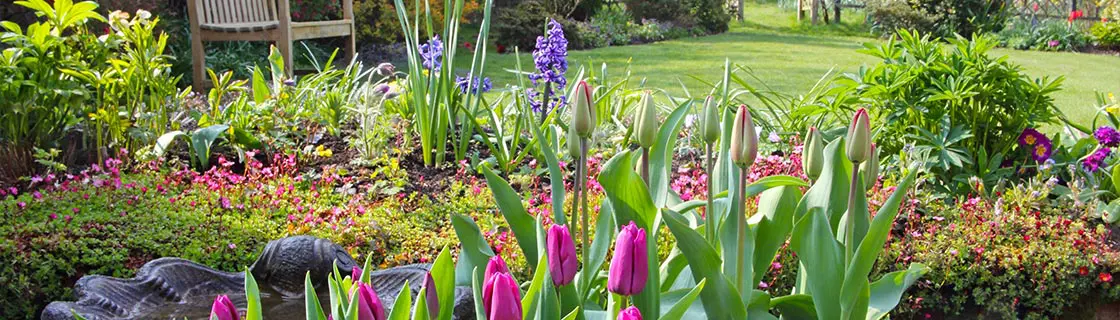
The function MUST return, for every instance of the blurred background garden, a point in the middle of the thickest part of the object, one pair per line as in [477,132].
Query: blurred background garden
[115,153]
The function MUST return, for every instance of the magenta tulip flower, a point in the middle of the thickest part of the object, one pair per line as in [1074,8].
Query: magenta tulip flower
[496,265]
[369,306]
[501,297]
[431,297]
[562,261]
[356,274]
[630,264]
[224,309]
[630,313]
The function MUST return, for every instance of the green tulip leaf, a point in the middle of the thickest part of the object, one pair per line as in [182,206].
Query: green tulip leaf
[420,311]
[886,292]
[509,203]
[628,195]
[794,306]
[822,258]
[661,156]
[719,297]
[855,279]
[403,303]
[759,306]
[604,237]
[682,304]
[554,174]
[775,222]
[476,251]
[443,274]
[311,300]
[253,296]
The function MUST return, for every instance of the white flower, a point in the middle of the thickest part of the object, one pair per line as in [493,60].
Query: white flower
[143,14]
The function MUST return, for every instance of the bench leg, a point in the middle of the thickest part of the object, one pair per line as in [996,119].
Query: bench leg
[351,51]
[198,65]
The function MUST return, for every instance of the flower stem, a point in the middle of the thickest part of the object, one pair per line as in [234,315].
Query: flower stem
[645,166]
[583,203]
[544,102]
[709,218]
[849,230]
[741,216]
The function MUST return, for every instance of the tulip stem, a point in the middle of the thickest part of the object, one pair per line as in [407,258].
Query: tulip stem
[583,203]
[742,243]
[849,230]
[709,218]
[645,166]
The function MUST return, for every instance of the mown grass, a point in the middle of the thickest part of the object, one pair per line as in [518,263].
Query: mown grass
[790,57]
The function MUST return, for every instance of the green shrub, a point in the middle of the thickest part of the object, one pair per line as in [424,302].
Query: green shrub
[519,26]
[943,18]
[960,104]
[1107,34]
[708,14]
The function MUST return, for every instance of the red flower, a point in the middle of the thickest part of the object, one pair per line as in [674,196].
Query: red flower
[467,45]
[1083,271]
[501,48]
[1105,277]
[1075,14]
[1034,7]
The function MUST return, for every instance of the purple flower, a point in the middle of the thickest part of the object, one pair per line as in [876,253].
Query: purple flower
[551,56]
[369,305]
[535,100]
[630,313]
[1030,136]
[223,309]
[1107,136]
[630,265]
[432,54]
[1094,161]
[562,263]
[482,84]
[501,297]
[431,297]
[224,202]
[1053,43]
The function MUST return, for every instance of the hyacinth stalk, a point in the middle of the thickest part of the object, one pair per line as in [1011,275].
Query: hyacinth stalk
[709,126]
[744,150]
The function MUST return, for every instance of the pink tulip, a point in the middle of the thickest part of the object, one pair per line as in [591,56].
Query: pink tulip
[630,264]
[630,313]
[224,309]
[369,306]
[356,274]
[562,261]
[431,297]
[496,265]
[501,297]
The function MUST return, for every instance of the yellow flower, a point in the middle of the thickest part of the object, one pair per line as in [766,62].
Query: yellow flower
[1113,109]
[1029,139]
[323,152]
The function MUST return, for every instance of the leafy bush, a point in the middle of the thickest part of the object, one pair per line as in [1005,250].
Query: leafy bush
[962,105]
[1107,34]
[376,20]
[943,18]
[707,14]
[1049,35]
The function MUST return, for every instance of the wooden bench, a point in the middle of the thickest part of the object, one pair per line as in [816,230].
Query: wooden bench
[259,20]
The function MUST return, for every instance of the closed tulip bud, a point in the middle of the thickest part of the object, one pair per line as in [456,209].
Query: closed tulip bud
[859,137]
[496,265]
[385,69]
[813,152]
[431,297]
[584,117]
[630,313]
[709,121]
[870,169]
[645,123]
[744,139]
[501,297]
[630,264]
[356,274]
[573,143]
[369,306]
[224,309]
[562,261]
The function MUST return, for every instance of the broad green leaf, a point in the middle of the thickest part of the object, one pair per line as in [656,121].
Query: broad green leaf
[253,297]
[476,285]
[421,309]
[402,305]
[830,191]
[443,273]
[857,221]
[532,298]
[822,259]
[682,305]
[759,306]
[311,300]
[794,306]
[720,299]
[260,88]
[554,174]
[164,142]
[604,237]
[203,139]
[476,251]
[661,156]
[775,221]
[886,292]
[628,195]
[509,203]
[573,315]
[855,279]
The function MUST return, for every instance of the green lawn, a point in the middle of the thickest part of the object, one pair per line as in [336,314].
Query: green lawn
[791,57]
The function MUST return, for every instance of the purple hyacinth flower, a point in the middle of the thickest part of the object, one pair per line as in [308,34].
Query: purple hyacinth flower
[1107,136]
[432,54]
[1093,162]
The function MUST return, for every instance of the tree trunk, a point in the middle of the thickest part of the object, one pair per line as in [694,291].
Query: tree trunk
[814,11]
[836,11]
[741,10]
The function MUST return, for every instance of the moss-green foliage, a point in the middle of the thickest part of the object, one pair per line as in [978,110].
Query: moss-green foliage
[1107,34]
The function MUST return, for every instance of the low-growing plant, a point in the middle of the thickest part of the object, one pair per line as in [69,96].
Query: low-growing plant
[1107,34]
